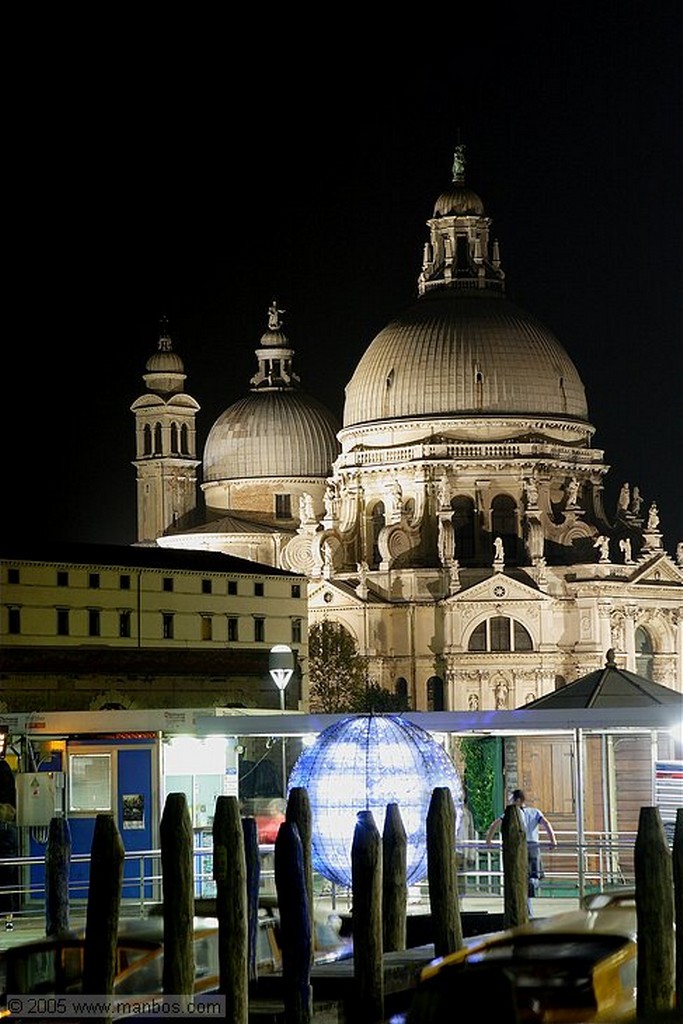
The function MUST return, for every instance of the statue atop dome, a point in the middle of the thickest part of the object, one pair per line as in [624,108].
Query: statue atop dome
[459,165]
[274,321]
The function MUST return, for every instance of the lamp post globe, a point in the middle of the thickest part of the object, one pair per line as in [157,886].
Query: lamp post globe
[281,669]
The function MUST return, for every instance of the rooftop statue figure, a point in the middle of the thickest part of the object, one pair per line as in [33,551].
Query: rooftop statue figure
[274,321]
[459,164]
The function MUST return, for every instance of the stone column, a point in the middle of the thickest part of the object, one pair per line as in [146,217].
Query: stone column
[604,623]
[630,637]
[678,622]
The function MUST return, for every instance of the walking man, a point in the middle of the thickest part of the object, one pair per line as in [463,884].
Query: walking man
[532,819]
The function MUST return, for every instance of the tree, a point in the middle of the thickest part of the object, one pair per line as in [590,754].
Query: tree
[376,698]
[337,673]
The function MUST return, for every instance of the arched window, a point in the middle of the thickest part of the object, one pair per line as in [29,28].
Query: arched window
[500,633]
[401,689]
[174,438]
[644,653]
[504,524]
[435,694]
[158,443]
[147,440]
[184,440]
[463,526]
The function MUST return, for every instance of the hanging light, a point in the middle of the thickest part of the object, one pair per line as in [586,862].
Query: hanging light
[364,763]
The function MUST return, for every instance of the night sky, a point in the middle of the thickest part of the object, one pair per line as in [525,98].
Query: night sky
[195,171]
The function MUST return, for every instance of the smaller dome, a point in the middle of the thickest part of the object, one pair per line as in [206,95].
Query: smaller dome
[274,339]
[164,370]
[459,201]
[276,432]
[165,361]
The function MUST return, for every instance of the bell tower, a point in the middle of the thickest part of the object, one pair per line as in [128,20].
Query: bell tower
[165,444]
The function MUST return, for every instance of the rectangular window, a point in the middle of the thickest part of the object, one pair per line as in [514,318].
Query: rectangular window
[258,590]
[94,581]
[90,782]
[233,629]
[62,622]
[296,631]
[206,587]
[232,587]
[296,590]
[124,624]
[93,622]
[12,575]
[124,581]
[14,620]
[167,584]
[283,506]
[167,625]
[207,627]
[62,579]
[259,630]
[500,633]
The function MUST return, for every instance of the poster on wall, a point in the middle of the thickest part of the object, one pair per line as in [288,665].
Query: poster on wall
[133,810]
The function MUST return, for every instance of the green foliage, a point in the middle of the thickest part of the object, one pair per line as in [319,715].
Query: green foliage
[480,758]
[337,673]
[376,699]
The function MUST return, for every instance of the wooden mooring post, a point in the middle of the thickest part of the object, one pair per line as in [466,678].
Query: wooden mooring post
[443,873]
[654,916]
[515,869]
[252,859]
[177,851]
[298,813]
[57,867]
[368,952]
[102,915]
[394,883]
[230,875]
[295,925]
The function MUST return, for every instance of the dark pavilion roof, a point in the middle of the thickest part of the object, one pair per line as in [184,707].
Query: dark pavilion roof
[608,687]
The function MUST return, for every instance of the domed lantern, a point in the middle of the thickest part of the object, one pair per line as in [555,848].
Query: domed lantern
[366,762]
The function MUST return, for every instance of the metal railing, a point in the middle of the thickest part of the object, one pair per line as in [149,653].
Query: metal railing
[603,860]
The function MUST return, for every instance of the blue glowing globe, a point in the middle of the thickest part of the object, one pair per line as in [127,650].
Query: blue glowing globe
[364,763]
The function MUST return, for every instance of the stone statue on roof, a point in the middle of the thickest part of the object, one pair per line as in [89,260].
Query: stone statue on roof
[624,498]
[459,164]
[572,492]
[625,547]
[636,501]
[602,543]
[274,321]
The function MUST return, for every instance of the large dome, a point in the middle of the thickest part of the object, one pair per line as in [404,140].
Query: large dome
[272,433]
[464,353]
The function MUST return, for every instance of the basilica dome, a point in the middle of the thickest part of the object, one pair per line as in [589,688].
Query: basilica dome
[276,430]
[464,353]
[271,433]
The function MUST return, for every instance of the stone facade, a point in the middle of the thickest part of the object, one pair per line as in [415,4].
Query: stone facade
[460,533]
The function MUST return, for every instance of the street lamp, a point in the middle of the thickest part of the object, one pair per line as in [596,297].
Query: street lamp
[281,668]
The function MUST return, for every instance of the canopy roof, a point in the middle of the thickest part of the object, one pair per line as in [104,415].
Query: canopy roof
[608,687]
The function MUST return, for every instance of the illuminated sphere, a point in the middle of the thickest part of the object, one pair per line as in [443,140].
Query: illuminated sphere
[364,763]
